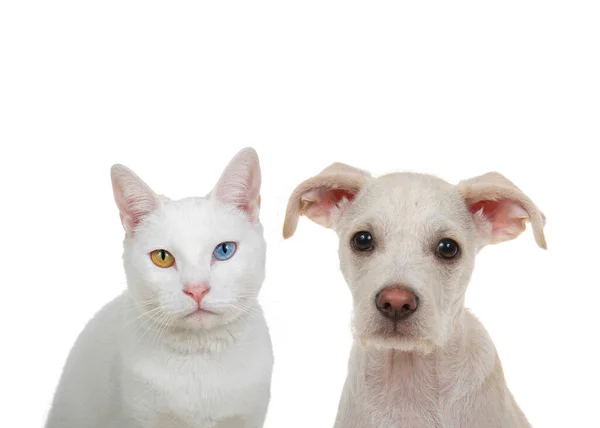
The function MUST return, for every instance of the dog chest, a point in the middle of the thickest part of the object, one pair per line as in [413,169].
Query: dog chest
[395,391]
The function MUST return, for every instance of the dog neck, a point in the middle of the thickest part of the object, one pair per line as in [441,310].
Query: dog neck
[467,356]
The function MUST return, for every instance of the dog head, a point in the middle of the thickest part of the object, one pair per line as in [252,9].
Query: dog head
[407,244]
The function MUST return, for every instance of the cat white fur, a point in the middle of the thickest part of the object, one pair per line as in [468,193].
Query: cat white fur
[140,362]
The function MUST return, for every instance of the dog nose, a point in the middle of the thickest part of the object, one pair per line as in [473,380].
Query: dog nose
[396,303]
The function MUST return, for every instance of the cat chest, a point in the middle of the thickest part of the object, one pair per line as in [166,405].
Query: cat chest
[194,388]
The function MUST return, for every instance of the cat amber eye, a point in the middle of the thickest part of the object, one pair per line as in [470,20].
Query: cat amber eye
[162,258]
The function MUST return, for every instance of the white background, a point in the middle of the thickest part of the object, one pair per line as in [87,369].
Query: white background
[174,89]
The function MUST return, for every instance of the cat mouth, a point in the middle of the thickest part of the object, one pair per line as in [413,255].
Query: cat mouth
[199,312]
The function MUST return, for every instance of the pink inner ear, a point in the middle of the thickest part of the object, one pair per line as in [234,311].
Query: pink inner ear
[506,216]
[322,202]
[331,198]
[134,205]
[488,207]
[339,194]
[239,184]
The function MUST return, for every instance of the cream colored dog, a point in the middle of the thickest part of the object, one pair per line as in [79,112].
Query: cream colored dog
[407,249]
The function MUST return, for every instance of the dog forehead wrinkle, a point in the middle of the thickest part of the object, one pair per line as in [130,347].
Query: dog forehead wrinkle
[407,194]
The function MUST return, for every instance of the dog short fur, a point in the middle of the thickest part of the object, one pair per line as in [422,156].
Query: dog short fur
[438,367]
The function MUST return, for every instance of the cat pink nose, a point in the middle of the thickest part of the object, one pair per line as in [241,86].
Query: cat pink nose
[196,291]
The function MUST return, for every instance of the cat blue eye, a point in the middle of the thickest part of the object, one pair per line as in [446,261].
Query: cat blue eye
[224,251]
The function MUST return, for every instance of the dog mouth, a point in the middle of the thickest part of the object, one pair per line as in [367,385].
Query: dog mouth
[396,329]
[403,328]
[400,335]
[389,329]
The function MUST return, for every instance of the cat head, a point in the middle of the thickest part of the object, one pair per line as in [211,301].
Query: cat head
[196,262]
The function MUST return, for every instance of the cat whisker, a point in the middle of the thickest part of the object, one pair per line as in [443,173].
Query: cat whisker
[144,314]
[143,309]
[247,310]
[148,328]
[153,318]
[158,329]
[164,328]
[130,306]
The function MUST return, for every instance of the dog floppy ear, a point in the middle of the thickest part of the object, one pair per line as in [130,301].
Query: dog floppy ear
[323,197]
[500,209]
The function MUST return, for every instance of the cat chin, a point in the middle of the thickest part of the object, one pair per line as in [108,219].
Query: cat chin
[205,320]
[202,319]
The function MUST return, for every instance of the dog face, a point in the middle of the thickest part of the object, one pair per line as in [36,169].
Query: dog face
[407,245]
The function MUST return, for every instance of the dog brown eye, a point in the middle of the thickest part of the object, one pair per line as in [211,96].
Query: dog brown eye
[447,249]
[362,241]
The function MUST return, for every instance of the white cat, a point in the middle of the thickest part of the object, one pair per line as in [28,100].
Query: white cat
[186,345]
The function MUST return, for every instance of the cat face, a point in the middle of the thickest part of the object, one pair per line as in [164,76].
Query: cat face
[195,262]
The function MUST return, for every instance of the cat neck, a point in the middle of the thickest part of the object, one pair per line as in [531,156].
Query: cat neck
[212,341]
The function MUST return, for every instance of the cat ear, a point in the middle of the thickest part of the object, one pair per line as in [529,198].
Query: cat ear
[239,184]
[134,198]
